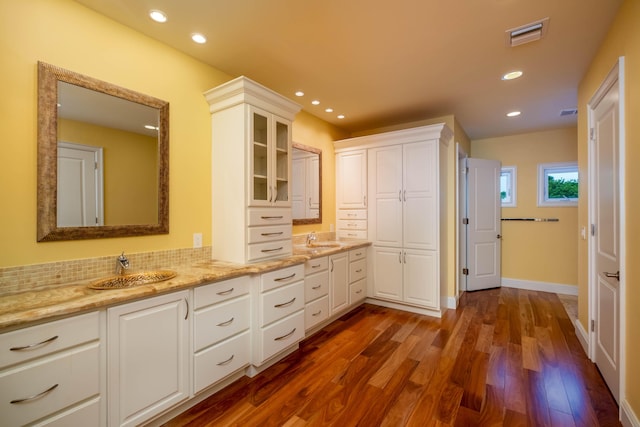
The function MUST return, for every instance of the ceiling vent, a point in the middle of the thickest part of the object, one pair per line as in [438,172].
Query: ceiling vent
[527,33]
[569,112]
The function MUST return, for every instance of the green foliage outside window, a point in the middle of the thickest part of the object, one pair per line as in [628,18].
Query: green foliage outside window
[562,189]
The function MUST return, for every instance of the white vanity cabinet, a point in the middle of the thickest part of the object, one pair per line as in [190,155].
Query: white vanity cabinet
[278,313]
[351,192]
[316,291]
[251,170]
[148,357]
[221,330]
[338,282]
[357,275]
[53,374]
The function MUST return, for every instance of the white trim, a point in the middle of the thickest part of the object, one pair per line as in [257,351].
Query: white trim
[513,173]
[557,288]
[461,211]
[404,307]
[451,302]
[583,336]
[628,418]
[615,75]
[543,200]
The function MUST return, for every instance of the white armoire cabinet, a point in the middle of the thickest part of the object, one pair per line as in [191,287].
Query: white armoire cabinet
[406,191]
[251,171]
[351,191]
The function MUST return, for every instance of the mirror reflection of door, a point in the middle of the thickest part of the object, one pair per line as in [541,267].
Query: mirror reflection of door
[305,186]
[80,194]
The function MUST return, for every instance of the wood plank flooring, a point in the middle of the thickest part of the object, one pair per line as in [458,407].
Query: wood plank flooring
[505,357]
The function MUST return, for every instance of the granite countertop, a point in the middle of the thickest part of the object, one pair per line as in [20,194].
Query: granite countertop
[24,308]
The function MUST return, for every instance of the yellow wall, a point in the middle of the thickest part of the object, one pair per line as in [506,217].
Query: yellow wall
[623,40]
[130,170]
[536,251]
[68,35]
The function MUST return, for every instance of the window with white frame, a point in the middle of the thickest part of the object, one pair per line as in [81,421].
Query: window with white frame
[508,186]
[558,184]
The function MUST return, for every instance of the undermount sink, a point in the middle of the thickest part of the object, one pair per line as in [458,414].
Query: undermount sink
[129,280]
[321,245]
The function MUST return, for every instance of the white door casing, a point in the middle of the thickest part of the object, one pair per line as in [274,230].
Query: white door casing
[605,164]
[80,188]
[484,228]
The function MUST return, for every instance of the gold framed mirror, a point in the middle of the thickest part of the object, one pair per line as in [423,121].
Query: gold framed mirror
[306,184]
[100,172]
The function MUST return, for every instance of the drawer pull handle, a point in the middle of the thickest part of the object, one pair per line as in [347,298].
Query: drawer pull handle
[316,266]
[272,217]
[359,291]
[359,270]
[285,336]
[186,315]
[316,287]
[35,396]
[280,279]
[227,292]
[351,234]
[226,362]
[30,346]
[316,314]
[272,234]
[285,304]
[273,250]
[227,323]
[359,253]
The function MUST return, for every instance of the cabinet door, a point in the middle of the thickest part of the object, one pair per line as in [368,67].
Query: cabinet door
[259,134]
[419,195]
[387,273]
[298,188]
[351,188]
[148,357]
[385,182]
[280,151]
[338,281]
[421,278]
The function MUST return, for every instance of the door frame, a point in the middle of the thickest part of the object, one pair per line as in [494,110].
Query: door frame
[461,212]
[615,75]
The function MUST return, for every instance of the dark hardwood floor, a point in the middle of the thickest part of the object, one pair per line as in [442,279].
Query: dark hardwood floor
[504,357]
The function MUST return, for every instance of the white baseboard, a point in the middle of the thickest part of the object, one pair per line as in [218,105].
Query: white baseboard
[628,418]
[583,336]
[531,285]
[450,302]
[404,307]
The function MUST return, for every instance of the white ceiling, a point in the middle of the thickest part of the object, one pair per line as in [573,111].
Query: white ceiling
[383,62]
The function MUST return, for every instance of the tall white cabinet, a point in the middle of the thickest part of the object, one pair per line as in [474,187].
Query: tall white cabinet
[351,191]
[406,179]
[251,171]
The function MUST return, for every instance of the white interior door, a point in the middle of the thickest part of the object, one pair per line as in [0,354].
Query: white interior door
[483,228]
[605,121]
[79,197]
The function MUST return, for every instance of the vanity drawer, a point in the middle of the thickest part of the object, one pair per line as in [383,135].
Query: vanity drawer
[281,302]
[258,251]
[280,335]
[215,363]
[356,254]
[357,270]
[352,234]
[220,291]
[218,322]
[316,264]
[269,216]
[71,376]
[29,343]
[352,224]
[357,291]
[269,233]
[316,312]
[281,277]
[316,285]
[352,214]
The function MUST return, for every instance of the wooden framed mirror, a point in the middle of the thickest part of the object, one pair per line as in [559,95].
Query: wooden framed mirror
[306,184]
[103,159]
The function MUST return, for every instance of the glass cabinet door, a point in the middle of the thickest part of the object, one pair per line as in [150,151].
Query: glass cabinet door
[260,157]
[281,154]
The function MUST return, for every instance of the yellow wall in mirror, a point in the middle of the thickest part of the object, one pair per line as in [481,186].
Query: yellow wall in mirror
[536,251]
[130,163]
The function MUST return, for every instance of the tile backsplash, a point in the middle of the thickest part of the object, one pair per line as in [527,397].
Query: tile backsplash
[39,276]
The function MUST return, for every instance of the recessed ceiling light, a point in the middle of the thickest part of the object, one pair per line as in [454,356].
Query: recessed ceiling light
[315,102]
[341,116]
[512,75]
[513,114]
[329,110]
[299,93]
[158,16]
[198,38]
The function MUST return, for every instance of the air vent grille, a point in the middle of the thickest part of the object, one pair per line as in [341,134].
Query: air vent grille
[527,33]
[569,112]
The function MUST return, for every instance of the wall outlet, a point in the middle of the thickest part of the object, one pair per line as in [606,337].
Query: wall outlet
[197,240]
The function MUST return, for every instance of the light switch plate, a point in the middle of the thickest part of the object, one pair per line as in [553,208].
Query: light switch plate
[197,240]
